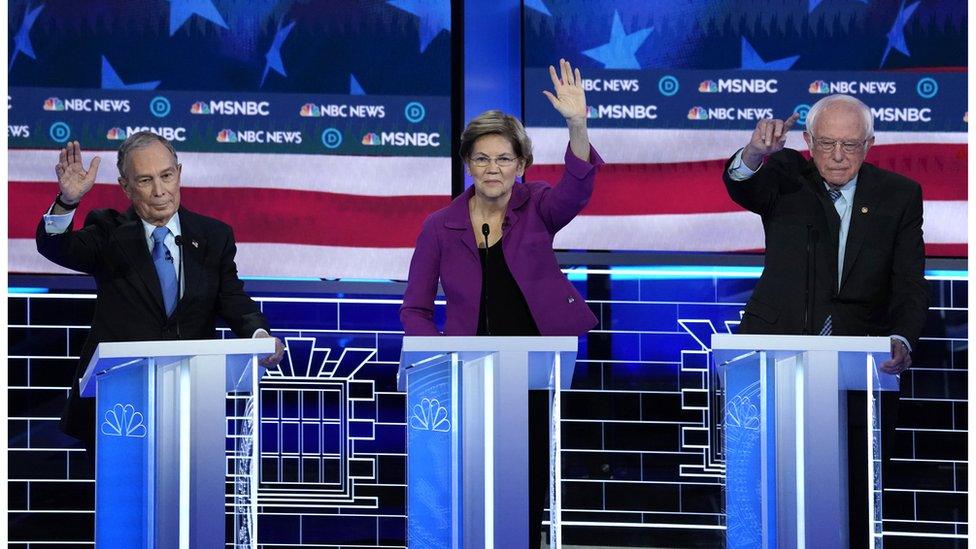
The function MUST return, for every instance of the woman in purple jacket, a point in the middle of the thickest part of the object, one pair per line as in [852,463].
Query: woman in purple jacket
[491,249]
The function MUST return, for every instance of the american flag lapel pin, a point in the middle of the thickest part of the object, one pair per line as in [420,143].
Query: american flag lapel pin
[195,243]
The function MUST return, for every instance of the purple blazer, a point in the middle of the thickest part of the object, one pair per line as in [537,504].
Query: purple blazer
[446,250]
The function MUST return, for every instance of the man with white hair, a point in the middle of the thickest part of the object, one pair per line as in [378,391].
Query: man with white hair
[844,250]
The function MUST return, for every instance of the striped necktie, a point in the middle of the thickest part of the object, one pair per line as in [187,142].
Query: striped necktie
[834,194]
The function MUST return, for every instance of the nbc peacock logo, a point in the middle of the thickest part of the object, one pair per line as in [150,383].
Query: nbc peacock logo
[592,112]
[371,139]
[310,110]
[819,87]
[115,134]
[708,86]
[697,113]
[53,104]
[227,136]
[200,107]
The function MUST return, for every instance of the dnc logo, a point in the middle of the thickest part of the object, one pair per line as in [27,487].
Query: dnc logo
[371,139]
[200,108]
[53,104]
[819,87]
[310,110]
[116,134]
[227,136]
[708,86]
[697,113]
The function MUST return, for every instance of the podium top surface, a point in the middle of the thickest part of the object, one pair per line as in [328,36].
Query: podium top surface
[765,342]
[447,344]
[111,354]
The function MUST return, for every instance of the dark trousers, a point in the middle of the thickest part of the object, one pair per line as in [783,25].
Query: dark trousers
[857,468]
[538,463]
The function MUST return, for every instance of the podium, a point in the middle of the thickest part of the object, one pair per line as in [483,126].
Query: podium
[467,436]
[784,426]
[164,411]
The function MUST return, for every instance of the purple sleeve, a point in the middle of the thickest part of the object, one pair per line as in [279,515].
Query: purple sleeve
[417,311]
[558,205]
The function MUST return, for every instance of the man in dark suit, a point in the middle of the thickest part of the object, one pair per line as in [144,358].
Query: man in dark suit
[162,271]
[844,250]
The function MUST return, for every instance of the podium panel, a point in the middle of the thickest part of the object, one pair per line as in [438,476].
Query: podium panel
[467,436]
[163,422]
[785,435]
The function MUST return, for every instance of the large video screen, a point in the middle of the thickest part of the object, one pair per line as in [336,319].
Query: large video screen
[320,131]
[676,88]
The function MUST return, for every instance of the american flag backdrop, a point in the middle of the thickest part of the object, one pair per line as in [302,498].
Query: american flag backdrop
[674,89]
[320,131]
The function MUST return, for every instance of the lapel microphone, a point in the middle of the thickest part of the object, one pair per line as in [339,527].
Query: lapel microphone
[485,231]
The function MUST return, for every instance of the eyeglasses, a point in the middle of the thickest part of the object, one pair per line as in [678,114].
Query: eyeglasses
[828,145]
[483,161]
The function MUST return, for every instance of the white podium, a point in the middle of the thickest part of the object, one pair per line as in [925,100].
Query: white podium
[785,437]
[467,436]
[165,410]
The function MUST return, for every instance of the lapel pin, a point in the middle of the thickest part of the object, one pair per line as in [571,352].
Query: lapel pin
[197,244]
[864,209]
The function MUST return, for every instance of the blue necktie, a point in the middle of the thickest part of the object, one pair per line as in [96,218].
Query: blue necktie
[834,194]
[163,261]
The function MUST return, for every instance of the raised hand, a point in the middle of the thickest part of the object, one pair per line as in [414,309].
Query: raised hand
[74,180]
[569,99]
[768,137]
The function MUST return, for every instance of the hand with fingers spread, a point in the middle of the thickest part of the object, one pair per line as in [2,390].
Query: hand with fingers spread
[74,181]
[768,137]
[569,99]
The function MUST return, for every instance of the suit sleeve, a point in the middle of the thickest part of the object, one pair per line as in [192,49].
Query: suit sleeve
[238,310]
[909,289]
[417,311]
[759,193]
[75,250]
[558,205]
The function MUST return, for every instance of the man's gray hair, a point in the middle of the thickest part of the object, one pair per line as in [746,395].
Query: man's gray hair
[139,140]
[819,106]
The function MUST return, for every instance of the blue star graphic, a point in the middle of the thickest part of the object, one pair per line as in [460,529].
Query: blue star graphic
[814,3]
[434,15]
[538,6]
[273,56]
[896,36]
[112,81]
[181,10]
[752,61]
[22,42]
[619,52]
[354,87]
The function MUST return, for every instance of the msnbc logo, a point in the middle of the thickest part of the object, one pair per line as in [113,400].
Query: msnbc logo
[200,108]
[53,104]
[707,86]
[591,112]
[310,110]
[227,136]
[116,134]
[819,87]
[371,139]
[697,113]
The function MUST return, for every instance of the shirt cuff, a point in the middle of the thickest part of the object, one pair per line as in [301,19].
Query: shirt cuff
[738,171]
[904,341]
[260,331]
[57,223]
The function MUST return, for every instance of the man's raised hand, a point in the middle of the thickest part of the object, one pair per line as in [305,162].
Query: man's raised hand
[74,180]
[768,137]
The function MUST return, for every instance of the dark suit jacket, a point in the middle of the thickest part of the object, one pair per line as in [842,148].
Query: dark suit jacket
[883,290]
[112,247]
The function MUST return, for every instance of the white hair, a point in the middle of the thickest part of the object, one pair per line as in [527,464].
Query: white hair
[819,106]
